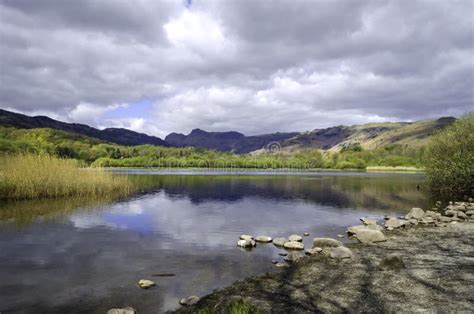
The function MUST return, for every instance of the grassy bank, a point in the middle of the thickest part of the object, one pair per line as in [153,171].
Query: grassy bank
[394,169]
[28,176]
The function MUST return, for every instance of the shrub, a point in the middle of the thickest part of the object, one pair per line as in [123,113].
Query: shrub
[450,160]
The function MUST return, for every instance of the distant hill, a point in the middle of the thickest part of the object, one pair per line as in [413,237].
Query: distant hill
[226,141]
[369,136]
[112,135]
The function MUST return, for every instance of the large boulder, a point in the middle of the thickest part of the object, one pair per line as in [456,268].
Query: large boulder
[416,213]
[293,245]
[263,239]
[280,241]
[326,242]
[392,262]
[341,252]
[370,236]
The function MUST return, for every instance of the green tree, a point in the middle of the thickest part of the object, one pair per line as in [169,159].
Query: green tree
[450,160]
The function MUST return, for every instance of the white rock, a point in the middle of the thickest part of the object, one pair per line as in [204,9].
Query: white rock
[295,237]
[264,239]
[394,223]
[246,243]
[293,245]
[126,310]
[368,222]
[189,300]
[245,237]
[146,284]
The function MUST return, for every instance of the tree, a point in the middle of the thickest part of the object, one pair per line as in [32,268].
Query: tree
[450,161]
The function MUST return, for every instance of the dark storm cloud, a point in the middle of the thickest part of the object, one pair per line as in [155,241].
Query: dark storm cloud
[252,66]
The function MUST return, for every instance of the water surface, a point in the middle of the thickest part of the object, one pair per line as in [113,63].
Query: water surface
[77,256]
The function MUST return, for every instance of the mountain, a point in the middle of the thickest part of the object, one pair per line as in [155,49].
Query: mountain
[226,141]
[113,135]
[369,136]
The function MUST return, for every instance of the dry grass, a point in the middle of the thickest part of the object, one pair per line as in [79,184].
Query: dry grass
[43,176]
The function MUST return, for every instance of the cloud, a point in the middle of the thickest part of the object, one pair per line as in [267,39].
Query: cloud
[251,66]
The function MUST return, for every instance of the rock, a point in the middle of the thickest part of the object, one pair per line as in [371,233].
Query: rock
[340,236]
[264,239]
[462,215]
[295,237]
[416,213]
[306,234]
[326,242]
[313,251]
[368,222]
[341,252]
[433,214]
[292,257]
[281,265]
[189,300]
[392,262]
[451,213]
[390,228]
[274,261]
[354,229]
[246,243]
[370,236]
[146,284]
[394,223]
[444,219]
[440,224]
[245,237]
[470,212]
[427,220]
[125,310]
[283,254]
[293,245]
[280,241]
[413,221]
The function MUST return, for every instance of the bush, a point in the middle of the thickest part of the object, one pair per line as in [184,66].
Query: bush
[450,160]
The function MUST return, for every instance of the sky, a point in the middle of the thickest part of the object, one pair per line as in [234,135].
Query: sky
[251,66]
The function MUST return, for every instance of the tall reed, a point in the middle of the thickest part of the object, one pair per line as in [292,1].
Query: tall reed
[28,176]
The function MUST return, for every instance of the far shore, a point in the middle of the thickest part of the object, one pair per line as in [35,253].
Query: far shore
[374,169]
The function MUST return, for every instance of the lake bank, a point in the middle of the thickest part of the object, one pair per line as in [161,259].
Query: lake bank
[438,275]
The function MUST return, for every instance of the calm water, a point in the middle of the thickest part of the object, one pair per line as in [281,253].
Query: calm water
[79,256]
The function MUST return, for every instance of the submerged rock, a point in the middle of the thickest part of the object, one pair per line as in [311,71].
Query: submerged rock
[306,234]
[245,237]
[392,262]
[293,245]
[125,310]
[292,257]
[189,300]
[416,213]
[280,241]
[370,236]
[264,239]
[295,237]
[325,242]
[146,284]
[341,252]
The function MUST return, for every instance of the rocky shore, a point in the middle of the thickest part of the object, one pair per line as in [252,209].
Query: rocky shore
[423,261]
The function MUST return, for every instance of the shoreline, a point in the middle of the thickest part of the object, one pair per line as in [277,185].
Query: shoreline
[437,275]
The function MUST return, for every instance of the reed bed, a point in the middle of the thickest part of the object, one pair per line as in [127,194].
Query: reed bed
[394,169]
[42,176]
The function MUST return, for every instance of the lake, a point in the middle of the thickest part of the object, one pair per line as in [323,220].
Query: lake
[83,256]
